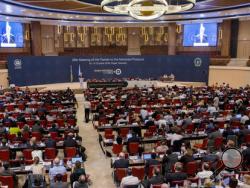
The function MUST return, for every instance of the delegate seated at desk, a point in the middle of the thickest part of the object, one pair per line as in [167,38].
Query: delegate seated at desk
[121,162]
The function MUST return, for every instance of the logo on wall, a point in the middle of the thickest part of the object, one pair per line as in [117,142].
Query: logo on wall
[17,64]
[118,71]
[197,62]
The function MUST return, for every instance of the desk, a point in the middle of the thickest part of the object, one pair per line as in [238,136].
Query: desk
[20,147]
[154,139]
[138,161]
[116,127]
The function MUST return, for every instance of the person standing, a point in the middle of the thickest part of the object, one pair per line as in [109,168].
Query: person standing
[87,106]
[81,79]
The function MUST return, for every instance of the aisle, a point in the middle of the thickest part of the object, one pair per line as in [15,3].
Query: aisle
[96,165]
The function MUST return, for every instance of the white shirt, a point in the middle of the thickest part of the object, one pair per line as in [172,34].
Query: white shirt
[244,119]
[129,180]
[204,174]
[174,137]
[211,109]
[143,113]
[37,153]
[87,104]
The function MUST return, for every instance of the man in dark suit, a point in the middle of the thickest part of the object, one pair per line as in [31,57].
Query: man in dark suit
[178,175]
[169,160]
[157,178]
[151,162]
[246,155]
[134,138]
[37,128]
[54,129]
[70,142]
[50,143]
[121,162]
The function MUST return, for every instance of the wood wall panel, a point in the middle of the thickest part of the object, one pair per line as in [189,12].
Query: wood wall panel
[36,40]
[244,39]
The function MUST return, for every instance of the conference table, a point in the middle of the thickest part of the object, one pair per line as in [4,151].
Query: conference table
[23,170]
[117,127]
[159,138]
[139,161]
[20,147]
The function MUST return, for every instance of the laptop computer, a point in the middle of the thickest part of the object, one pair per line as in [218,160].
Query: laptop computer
[147,156]
[74,159]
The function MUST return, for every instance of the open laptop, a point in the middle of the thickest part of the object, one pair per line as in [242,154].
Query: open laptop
[74,159]
[147,156]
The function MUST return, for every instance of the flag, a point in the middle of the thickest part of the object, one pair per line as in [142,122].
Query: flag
[79,71]
[71,74]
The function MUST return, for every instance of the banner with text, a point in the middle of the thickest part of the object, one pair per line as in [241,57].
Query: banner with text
[34,70]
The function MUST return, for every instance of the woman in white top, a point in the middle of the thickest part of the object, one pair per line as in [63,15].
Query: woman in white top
[206,172]
[37,168]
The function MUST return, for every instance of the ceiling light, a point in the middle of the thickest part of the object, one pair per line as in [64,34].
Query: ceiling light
[146,9]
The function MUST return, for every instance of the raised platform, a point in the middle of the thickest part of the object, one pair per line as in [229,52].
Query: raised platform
[139,83]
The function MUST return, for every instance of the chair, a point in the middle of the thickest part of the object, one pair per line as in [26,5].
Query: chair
[191,168]
[4,155]
[117,148]
[37,135]
[26,135]
[20,124]
[7,181]
[156,186]
[133,148]
[179,183]
[218,142]
[64,178]
[30,123]
[152,129]
[151,168]
[120,173]
[50,153]
[190,128]
[203,145]
[60,122]
[108,131]
[27,154]
[53,135]
[71,122]
[109,136]
[70,152]
[124,132]
[247,139]
[148,134]
[138,172]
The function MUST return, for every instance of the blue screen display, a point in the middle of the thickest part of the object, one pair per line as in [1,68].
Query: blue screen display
[200,34]
[11,35]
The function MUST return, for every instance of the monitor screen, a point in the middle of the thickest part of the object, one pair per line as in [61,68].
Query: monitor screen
[200,34]
[129,135]
[74,159]
[238,116]
[147,156]
[11,35]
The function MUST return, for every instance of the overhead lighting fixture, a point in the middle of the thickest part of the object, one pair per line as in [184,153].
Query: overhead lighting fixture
[146,9]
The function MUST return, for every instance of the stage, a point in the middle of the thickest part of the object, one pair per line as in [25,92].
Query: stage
[139,83]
